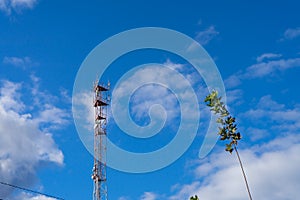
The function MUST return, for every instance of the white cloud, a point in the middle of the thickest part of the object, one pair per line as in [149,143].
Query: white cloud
[266,102]
[3,6]
[53,116]
[26,196]
[148,196]
[162,91]
[186,191]
[204,37]
[42,98]
[275,117]
[257,133]
[8,6]
[64,93]
[233,81]
[123,198]
[25,140]
[291,33]
[83,109]
[264,67]
[272,174]
[234,97]
[153,95]
[10,98]
[25,3]
[268,64]
[272,167]
[268,68]
[267,56]
[40,197]
[22,62]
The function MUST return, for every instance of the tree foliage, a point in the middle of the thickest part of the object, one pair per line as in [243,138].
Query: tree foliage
[228,128]
[194,198]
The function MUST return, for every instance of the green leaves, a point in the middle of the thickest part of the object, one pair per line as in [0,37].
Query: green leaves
[229,148]
[194,198]
[227,128]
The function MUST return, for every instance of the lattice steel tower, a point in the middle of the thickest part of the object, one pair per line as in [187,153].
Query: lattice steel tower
[101,101]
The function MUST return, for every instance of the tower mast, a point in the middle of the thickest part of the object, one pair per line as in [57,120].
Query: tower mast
[101,101]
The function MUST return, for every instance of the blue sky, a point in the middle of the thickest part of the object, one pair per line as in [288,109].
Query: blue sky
[255,45]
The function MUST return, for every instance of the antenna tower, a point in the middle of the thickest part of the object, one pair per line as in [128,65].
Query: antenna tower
[100,103]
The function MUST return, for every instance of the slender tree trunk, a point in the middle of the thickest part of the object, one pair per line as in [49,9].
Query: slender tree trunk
[244,174]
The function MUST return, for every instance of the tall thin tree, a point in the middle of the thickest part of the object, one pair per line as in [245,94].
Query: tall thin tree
[227,128]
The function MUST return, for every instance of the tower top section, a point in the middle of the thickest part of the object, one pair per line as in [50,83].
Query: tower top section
[100,98]
[101,87]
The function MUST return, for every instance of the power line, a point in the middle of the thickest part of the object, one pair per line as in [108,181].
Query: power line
[29,190]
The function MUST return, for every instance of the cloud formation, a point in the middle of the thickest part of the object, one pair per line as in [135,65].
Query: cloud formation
[26,196]
[204,37]
[148,196]
[267,65]
[26,141]
[154,94]
[291,33]
[267,56]
[9,6]
[21,62]
[275,116]
[271,166]
[272,173]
